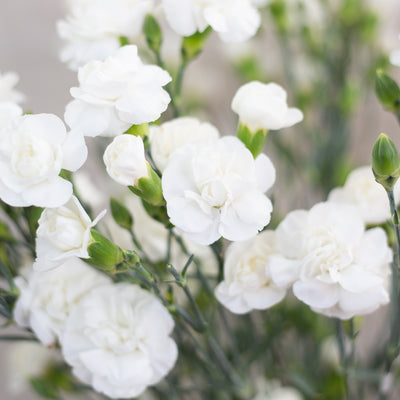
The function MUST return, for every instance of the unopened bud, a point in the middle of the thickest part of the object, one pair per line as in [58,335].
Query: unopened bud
[193,45]
[153,33]
[385,162]
[121,214]
[388,92]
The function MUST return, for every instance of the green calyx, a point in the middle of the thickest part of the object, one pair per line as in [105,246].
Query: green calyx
[254,141]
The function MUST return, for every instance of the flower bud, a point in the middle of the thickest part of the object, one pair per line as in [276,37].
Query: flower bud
[125,159]
[254,141]
[103,253]
[153,33]
[121,214]
[148,188]
[388,92]
[385,162]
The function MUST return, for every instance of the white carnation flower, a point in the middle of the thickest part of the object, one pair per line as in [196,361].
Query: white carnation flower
[233,20]
[166,138]
[217,189]
[337,267]
[7,92]
[47,298]
[264,106]
[117,340]
[33,150]
[63,232]
[273,390]
[247,283]
[116,93]
[92,29]
[362,191]
[125,159]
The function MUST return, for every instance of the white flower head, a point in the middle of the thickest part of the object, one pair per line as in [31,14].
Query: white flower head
[216,189]
[117,93]
[362,191]
[166,138]
[47,298]
[264,106]
[247,283]
[92,29]
[7,92]
[63,233]
[337,267]
[273,390]
[125,159]
[233,20]
[33,150]
[117,340]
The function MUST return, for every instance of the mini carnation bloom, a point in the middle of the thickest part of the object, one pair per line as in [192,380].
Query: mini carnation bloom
[117,93]
[166,138]
[63,233]
[117,340]
[47,298]
[362,191]
[125,159]
[337,267]
[7,92]
[247,283]
[33,150]
[233,20]
[217,189]
[92,29]
[264,106]
[395,57]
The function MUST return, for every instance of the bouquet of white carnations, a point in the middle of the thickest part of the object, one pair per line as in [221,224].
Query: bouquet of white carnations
[186,288]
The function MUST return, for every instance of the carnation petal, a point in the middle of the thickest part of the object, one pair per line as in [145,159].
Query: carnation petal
[316,294]
[75,151]
[265,172]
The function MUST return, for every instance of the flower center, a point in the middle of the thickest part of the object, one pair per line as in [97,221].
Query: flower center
[214,193]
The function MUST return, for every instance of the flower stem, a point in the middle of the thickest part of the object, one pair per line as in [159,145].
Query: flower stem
[343,356]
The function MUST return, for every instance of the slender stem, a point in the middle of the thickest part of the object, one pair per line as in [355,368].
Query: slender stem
[8,276]
[343,356]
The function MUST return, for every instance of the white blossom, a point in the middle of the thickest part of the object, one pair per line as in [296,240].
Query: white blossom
[63,232]
[125,159]
[7,92]
[337,267]
[47,298]
[216,189]
[264,106]
[362,191]
[33,150]
[166,138]
[117,340]
[233,20]
[273,390]
[117,93]
[8,112]
[92,29]
[247,282]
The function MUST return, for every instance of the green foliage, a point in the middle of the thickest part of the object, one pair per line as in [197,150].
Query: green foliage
[121,214]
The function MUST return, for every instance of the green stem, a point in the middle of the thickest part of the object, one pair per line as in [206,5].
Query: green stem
[343,356]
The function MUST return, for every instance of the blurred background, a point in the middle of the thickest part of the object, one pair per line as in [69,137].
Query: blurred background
[29,45]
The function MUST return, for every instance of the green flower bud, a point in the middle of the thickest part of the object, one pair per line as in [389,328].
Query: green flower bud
[153,33]
[193,45]
[385,162]
[148,188]
[388,92]
[121,214]
[254,141]
[103,253]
